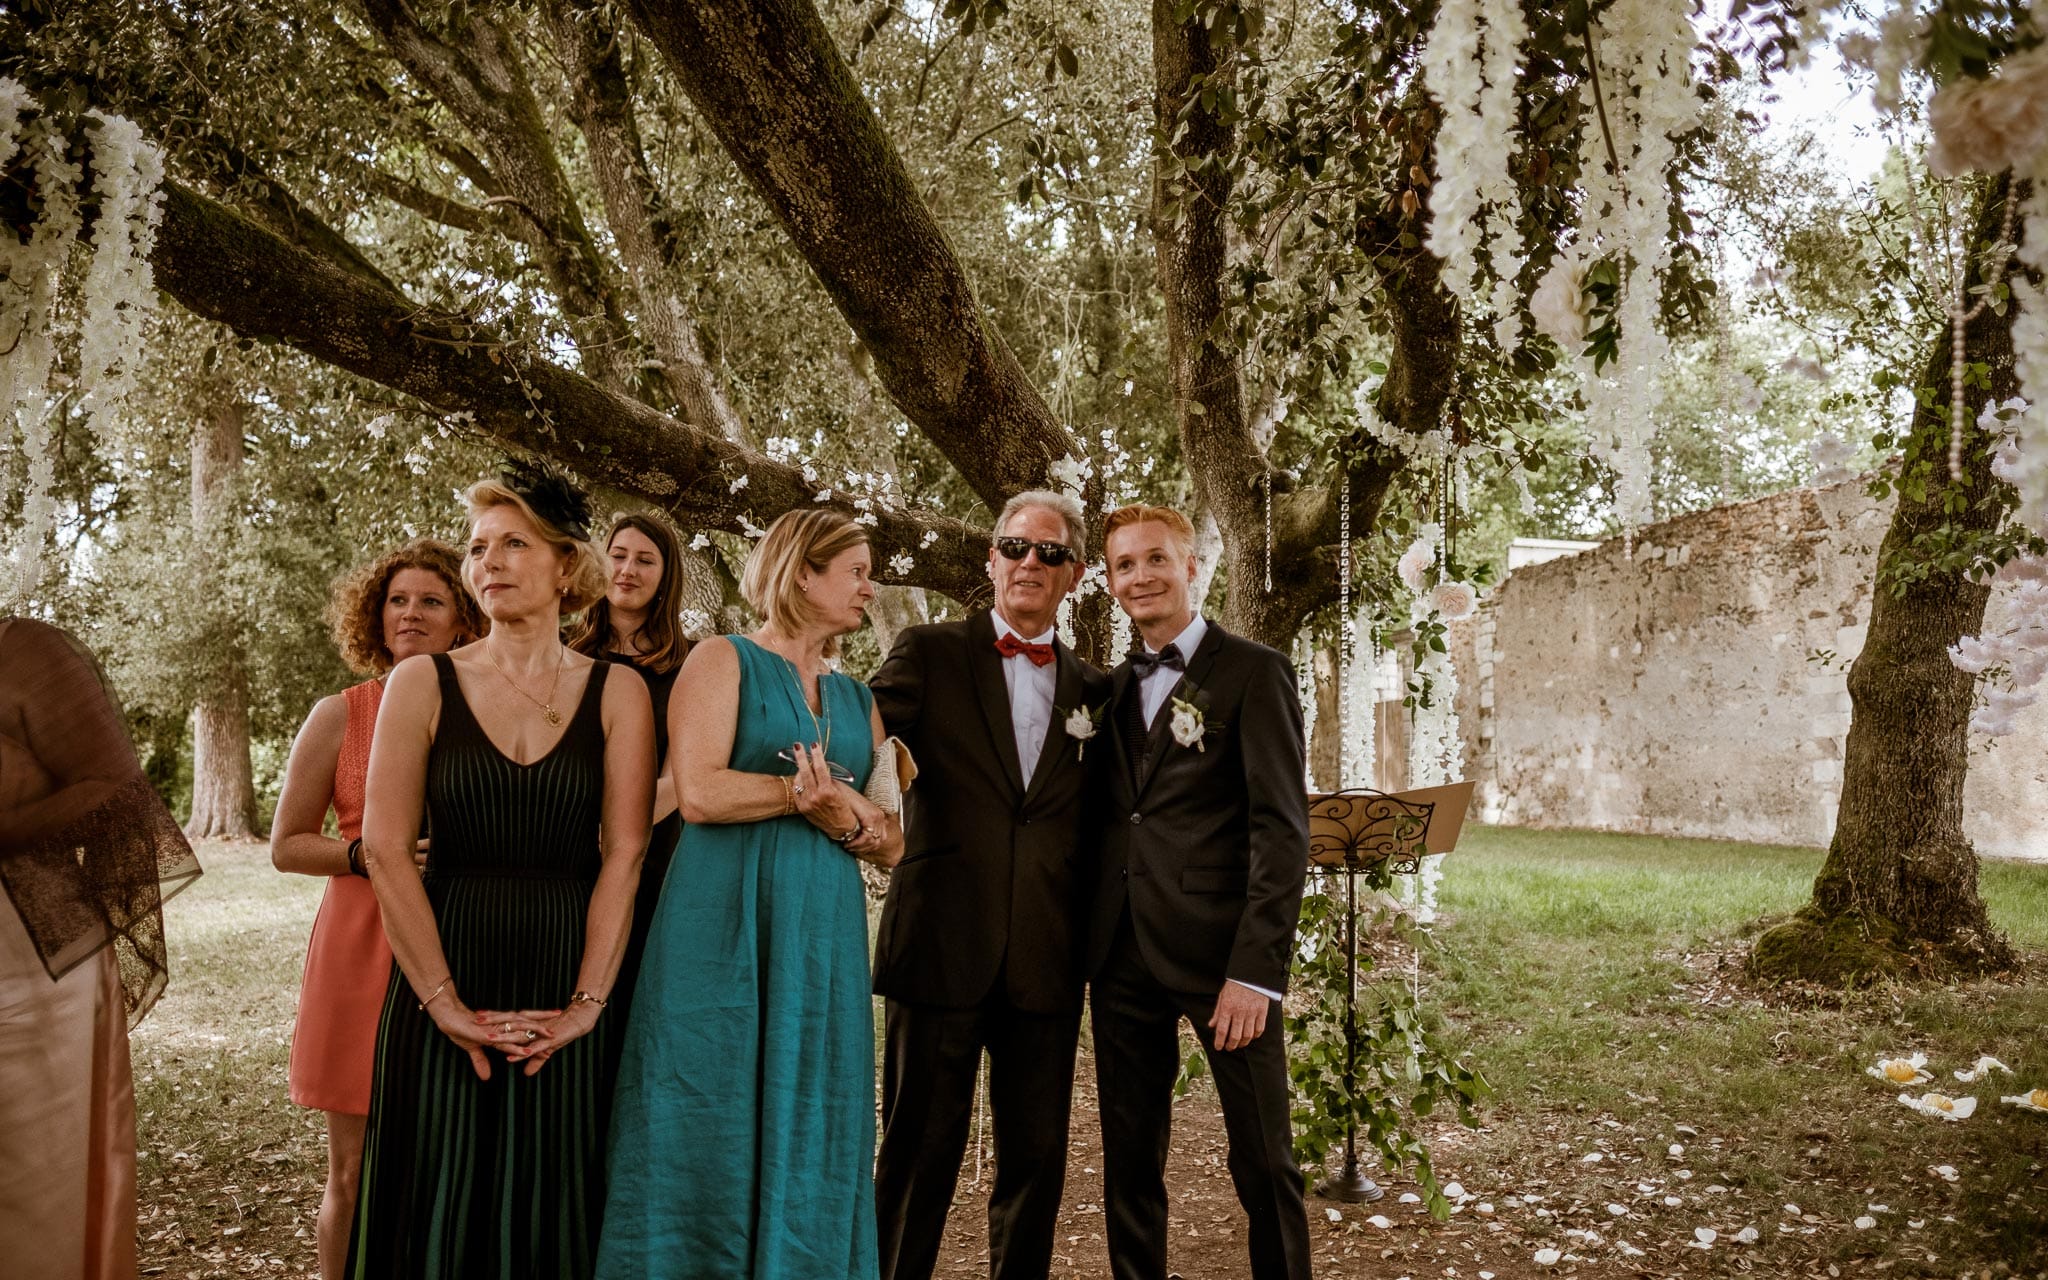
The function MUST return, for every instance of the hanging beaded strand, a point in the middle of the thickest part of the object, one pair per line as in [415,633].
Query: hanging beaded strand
[1347,637]
[1266,493]
[1999,254]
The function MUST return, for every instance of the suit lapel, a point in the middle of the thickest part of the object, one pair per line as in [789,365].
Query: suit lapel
[987,666]
[1066,696]
[1121,686]
[1160,741]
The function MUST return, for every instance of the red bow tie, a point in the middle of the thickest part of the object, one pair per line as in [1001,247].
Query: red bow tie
[1010,646]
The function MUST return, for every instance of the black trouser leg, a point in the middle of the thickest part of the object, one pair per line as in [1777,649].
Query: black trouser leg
[1137,1055]
[1251,1083]
[1030,1098]
[928,1067]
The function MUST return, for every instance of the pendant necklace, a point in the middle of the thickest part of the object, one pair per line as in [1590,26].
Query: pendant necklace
[547,708]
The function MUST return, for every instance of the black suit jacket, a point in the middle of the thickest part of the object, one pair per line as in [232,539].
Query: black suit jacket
[1209,847]
[992,880]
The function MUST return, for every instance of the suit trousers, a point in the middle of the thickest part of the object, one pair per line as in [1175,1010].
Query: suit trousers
[930,1059]
[1136,1023]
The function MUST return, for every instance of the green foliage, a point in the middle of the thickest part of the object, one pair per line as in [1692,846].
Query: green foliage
[1403,1068]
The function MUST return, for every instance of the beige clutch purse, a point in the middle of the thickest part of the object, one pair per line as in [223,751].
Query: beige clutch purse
[893,772]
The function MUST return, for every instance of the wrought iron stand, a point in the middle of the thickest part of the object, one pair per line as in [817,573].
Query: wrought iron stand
[1353,829]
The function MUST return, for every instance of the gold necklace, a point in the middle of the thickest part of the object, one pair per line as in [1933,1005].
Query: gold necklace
[547,709]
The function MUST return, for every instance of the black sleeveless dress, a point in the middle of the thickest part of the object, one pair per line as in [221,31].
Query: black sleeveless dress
[499,1179]
[661,843]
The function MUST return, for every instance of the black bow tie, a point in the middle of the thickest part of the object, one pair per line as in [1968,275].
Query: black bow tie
[1144,662]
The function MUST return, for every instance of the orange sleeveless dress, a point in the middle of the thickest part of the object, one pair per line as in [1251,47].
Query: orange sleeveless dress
[348,960]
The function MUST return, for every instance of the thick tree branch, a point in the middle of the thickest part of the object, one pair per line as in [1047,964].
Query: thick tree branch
[483,83]
[226,268]
[766,76]
[601,99]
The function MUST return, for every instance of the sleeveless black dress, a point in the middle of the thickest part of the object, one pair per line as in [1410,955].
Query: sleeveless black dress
[661,843]
[499,1179]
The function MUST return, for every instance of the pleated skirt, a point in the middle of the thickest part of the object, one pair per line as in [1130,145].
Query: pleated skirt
[498,1179]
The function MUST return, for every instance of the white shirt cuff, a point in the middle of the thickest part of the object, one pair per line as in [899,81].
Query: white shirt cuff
[1270,995]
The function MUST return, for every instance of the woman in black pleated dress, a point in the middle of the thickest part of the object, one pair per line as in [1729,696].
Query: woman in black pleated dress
[491,1095]
[636,626]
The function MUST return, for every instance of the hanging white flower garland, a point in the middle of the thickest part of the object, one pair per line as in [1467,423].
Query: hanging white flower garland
[1988,126]
[1470,62]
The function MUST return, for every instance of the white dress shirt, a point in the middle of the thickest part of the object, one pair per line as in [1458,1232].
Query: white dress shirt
[1031,691]
[1154,687]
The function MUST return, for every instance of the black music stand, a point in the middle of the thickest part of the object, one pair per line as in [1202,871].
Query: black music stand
[1351,830]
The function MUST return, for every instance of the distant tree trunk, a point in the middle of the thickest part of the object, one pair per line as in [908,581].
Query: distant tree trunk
[1898,893]
[223,782]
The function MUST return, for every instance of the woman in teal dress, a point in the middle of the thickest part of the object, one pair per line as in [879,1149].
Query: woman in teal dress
[744,1117]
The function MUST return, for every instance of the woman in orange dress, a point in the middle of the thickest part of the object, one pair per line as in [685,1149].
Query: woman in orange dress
[408,602]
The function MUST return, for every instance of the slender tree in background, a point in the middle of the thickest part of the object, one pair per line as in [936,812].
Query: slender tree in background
[223,780]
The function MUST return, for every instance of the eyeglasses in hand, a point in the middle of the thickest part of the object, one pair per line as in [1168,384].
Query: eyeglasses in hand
[840,773]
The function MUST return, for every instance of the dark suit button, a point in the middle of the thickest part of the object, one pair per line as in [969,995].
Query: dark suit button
[1137,819]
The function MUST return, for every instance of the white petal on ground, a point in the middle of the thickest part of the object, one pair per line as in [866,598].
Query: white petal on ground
[1409,1197]
[1545,1257]
[1618,1210]
[1946,1172]
[1865,1223]
[1592,1157]
[1334,1215]
[1745,1236]
[1982,1067]
[1454,1191]
[1379,1220]
[1705,1235]
[1676,1149]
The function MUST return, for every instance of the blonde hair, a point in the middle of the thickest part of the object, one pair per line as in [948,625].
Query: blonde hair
[772,582]
[1177,526]
[586,572]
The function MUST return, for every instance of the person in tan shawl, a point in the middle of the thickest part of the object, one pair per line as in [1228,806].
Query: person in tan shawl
[88,852]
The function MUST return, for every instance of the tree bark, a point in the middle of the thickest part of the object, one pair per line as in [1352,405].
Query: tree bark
[223,780]
[224,267]
[601,99]
[783,102]
[481,78]
[1898,892]
[1219,442]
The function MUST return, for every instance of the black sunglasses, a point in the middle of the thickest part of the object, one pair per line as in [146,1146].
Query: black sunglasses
[1050,554]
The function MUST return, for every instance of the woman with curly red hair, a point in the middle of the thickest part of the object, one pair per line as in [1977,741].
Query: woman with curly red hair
[406,602]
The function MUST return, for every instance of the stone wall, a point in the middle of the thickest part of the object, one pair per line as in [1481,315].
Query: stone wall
[1698,688]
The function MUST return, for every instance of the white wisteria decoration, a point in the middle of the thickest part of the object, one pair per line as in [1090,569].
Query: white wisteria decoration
[120,287]
[1641,97]
[1470,63]
[28,290]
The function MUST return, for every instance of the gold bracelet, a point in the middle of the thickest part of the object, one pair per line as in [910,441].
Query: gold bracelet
[584,997]
[788,796]
[437,991]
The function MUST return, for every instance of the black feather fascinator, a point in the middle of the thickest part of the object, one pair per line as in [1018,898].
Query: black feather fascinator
[553,496]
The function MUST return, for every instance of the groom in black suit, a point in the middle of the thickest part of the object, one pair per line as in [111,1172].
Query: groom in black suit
[1205,848]
[981,939]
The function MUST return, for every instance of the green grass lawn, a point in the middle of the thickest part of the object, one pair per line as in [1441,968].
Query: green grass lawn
[1594,979]
[1596,982]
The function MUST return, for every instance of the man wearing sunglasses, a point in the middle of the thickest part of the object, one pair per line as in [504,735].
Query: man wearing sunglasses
[982,932]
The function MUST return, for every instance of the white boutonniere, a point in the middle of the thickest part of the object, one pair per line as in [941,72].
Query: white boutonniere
[1083,724]
[1187,724]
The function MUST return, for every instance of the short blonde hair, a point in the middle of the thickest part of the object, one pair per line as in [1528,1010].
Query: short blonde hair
[772,582]
[586,573]
[1177,525]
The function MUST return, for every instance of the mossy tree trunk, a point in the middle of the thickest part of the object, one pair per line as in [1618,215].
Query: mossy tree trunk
[1898,892]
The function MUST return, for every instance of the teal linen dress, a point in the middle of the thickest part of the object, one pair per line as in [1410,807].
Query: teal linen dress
[743,1131]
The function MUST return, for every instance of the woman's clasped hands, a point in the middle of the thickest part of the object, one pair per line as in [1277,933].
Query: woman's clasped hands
[529,1036]
[849,818]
